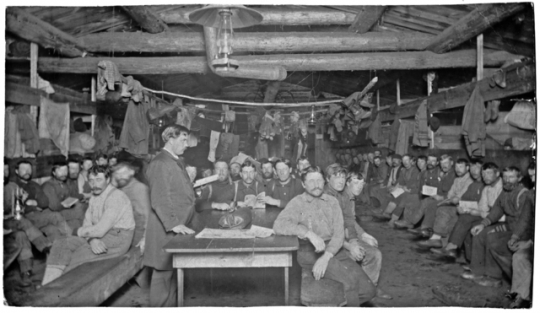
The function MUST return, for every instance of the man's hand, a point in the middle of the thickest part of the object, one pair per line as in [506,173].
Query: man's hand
[462,210]
[220,206]
[98,247]
[317,241]
[271,201]
[477,229]
[370,240]
[182,229]
[30,202]
[141,244]
[455,200]
[511,243]
[358,253]
[521,245]
[438,197]
[319,268]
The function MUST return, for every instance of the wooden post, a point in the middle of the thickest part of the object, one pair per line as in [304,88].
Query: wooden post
[378,101]
[398,93]
[180,273]
[34,49]
[93,99]
[430,78]
[480,57]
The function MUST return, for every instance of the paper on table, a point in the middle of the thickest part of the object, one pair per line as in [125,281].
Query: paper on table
[254,232]
[469,205]
[397,192]
[429,191]
[206,180]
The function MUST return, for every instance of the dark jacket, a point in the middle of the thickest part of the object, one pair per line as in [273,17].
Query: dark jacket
[219,192]
[173,203]
[410,178]
[57,192]
[35,192]
[286,192]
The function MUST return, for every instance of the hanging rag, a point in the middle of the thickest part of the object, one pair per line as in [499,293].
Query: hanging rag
[394,131]
[206,126]
[103,134]
[522,115]
[134,89]
[473,127]
[107,76]
[45,86]
[277,123]
[227,147]
[29,134]
[11,135]
[261,149]
[184,118]
[253,121]
[54,123]
[266,131]
[214,141]
[136,128]
[375,130]
[421,130]
[405,132]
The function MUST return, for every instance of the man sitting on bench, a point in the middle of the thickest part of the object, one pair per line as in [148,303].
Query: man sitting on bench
[107,230]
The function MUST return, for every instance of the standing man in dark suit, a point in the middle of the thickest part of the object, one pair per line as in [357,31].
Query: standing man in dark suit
[173,203]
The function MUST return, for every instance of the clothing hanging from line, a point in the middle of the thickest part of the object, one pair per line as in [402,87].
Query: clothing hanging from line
[206,126]
[405,132]
[227,147]
[103,134]
[107,76]
[214,141]
[185,116]
[375,130]
[54,123]
[473,127]
[136,128]
[28,132]
[421,130]
[393,137]
[261,149]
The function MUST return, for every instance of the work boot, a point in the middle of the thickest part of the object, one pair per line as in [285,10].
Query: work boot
[487,281]
[416,231]
[452,253]
[382,294]
[427,233]
[26,280]
[470,276]
[519,303]
[431,243]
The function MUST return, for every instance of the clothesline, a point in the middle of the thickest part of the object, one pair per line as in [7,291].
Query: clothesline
[256,104]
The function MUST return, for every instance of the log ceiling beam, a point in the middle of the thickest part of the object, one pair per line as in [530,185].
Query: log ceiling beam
[146,18]
[31,28]
[174,42]
[473,24]
[367,16]
[520,79]
[277,15]
[291,62]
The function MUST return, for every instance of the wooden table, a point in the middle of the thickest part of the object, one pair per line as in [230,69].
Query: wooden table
[190,252]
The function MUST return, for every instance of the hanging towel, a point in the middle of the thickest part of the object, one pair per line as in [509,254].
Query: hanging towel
[135,131]
[54,123]
[473,127]
[214,141]
[374,130]
[421,131]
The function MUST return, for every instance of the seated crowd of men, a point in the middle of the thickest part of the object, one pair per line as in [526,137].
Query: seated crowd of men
[462,208]
[319,207]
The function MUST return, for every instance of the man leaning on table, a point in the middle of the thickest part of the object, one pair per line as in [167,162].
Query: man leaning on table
[173,202]
[317,217]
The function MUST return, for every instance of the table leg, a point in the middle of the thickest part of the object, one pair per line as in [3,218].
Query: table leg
[286,285]
[180,287]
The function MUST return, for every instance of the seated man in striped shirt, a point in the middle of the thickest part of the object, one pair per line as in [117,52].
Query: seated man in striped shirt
[107,230]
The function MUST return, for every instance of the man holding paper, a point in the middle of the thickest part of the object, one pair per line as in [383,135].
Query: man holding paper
[445,215]
[220,194]
[247,191]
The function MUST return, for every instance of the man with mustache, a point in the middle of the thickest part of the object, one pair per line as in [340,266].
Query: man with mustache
[285,187]
[317,219]
[123,178]
[267,171]
[220,194]
[301,165]
[493,242]
[57,190]
[361,246]
[235,168]
[107,230]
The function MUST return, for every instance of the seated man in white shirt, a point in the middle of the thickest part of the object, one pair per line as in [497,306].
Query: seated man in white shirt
[107,230]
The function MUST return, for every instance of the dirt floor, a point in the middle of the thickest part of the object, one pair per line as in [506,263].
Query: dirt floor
[412,276]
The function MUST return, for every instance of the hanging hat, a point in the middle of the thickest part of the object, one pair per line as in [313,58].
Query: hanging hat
[434,123]
[79,126]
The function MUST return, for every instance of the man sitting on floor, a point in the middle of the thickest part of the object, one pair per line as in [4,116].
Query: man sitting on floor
[446,215]
[381,192]
[285,187]
[217,195]
[459,186]
[36,211]
[317,217]
[107,230]
[57,190]
[495,242]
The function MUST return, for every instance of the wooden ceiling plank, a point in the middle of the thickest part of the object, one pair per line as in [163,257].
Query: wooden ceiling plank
[29,27]
[291,62]
[414,11]
[417,20]
[473,24]
[169,42]
[146,18]
[406,24]
[366,17]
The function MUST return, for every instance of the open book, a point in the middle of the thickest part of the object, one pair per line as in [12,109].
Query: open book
[206,180]
[68,202]
[397,192]
[254,201]
[429,191]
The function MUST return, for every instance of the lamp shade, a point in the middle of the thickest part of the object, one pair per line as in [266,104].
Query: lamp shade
[241,16]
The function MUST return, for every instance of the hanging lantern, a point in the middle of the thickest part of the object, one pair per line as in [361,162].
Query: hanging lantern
[311,120]
[225,18]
